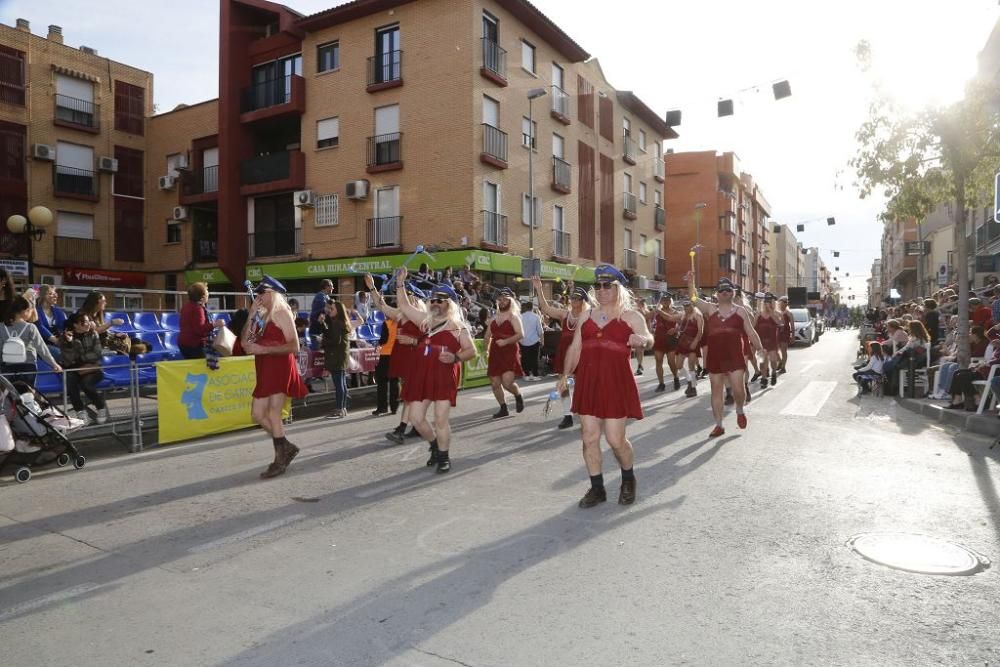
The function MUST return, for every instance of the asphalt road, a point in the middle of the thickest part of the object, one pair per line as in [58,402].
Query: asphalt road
[734,553]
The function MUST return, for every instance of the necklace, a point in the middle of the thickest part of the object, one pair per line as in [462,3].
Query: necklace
[603,317]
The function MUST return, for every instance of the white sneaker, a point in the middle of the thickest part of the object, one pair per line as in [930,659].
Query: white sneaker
[103,416]
[83,416]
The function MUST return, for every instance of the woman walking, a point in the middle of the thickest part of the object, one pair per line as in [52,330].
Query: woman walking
[569,319]
[689,341]
[503,353]
[665,328]
[767,326]
[195,324]
[335,329]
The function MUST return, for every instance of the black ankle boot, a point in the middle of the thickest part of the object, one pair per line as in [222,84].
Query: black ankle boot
[435,454]
[502,412]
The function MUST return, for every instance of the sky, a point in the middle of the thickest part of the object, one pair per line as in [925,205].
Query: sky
[673,55]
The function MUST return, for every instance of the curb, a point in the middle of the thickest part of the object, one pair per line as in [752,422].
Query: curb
[981,424]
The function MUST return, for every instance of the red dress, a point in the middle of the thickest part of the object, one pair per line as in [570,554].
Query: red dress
[565,340]
[401,360]
[276,373]
[605,386]
[429,378]
[665,335]
[767,329]
[506,359]
[689,329]
[724,341]
[784,330]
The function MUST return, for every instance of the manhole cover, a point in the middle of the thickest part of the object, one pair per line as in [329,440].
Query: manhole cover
[918,553]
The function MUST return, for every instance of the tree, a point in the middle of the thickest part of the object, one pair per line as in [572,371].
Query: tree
[931,157]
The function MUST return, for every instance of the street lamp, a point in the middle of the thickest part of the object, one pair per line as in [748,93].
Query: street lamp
[697,230]
[34,226]
[533,94]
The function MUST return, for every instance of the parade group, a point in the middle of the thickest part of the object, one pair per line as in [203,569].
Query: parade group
[426,337]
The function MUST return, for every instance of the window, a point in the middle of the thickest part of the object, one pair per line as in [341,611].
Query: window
[388,63]
[387,202]
[328,57]
[627,127]
[529,132]
[173,232]
[491,112]
[558,76]
[491,28]
[527,56]
[127,181]
[643,245]
[491,197]
[526,212]
[584,101]
[642,192]
[327,210]
[558,219]
[75,101]
[658,198]
[328,133]
[642,140]
[659,248]
[727,261]
[658,151]
[130,107]
[12,149]
[75,169]
[558,146]
[628,182]
[11,76]
[628,239]
[74,225]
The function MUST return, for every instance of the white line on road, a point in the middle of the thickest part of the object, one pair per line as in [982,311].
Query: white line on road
[807,366]
[58,596]
[250,532]
[810,400]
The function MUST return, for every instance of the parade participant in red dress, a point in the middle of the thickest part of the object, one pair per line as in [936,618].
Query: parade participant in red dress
[690,339]
[739,298]
[270,336]
[767,326]
[665,330]
[605,393]
[786,332]
[433,381]
[579,303]
[503,354]
[726,324]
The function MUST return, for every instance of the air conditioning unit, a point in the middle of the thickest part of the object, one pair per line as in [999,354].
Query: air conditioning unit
[44,152]
[108,164]
[357,189]
[168,182]
[182,163]
[305,199]
[180,213]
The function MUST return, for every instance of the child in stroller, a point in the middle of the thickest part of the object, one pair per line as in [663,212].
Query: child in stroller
[33,431]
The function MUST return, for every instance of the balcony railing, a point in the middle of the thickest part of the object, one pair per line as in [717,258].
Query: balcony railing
[661,266]
[266,94]
[560,102]
[70,251]
[200,182]
[265,168]
[384,232]
[660,217]
[630,148]
[561,243]
[384,149]
[659,169]
[630,260]
[385,68]
[82,113]
[562,174]
[275,243]
[494,142]
[12,77]
[630,204]
[494,58]
[494,228]
[73,181]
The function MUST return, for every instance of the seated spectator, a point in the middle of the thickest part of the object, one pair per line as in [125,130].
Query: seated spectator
[17,327]
[979,313]
[962,389]
[293,305]
[871,371]
[195,324]
[466,275]
[302,329]
[93,307]
[51,318]
[915,349]
[81,352]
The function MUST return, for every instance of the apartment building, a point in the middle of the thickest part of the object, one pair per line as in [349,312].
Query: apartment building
[73,136]
[875,292]
[784,258]
[899,270]
[719,212]
[816,275]
[344,139]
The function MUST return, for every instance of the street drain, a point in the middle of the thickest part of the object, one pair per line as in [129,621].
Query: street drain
[918,553]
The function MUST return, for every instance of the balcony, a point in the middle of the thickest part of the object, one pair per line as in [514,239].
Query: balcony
[384,152]
[77,114]
[560,105]
[200,186]
[384,234]
[385,70]
[494,147]
[74,183]
[273,173]
[659,170]
[275,243]
[630,203]
[562,176]
[630,149]
[661,267]
[630,260]
[562,246]
[71,251]
[273,98]
[494,230]
[660,218]
[494,62]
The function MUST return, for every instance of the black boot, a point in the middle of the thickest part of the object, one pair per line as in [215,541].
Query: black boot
[443,463]
[661,388]
[413,433]
[502,412]
[677,383]
[567,422]
[774,378]
[435,454]
[756,376]
[518,403]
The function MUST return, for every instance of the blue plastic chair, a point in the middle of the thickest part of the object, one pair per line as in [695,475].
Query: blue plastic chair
[47,382]
[147,368]
[116,371]
[170,341]
[378,317]
[171,321]
[152,340]
[147,322]
[126,328]
[225,317]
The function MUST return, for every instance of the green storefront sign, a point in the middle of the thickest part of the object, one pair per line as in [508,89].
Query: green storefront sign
[210,276]
[474,370]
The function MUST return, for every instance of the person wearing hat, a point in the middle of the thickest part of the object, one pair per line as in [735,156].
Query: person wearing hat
[605,393]
[786,332]
[569,319]
[318,306]
[433,381]
[503,354]
[725,325]
[270,336]
[665,329]
[767,326]
[691,334]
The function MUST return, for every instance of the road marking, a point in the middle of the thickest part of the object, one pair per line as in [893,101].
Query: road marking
[526,391]
[811,400]
[807,366]
[248,533]
[58,596]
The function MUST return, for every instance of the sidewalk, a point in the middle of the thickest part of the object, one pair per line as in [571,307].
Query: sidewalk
[985,424]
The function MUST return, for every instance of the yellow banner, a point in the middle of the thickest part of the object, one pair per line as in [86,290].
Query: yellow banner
[194,401]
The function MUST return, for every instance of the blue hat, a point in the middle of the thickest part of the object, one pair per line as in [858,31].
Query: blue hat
[269,283]
[507,292]
[444,291]
[725,284]
[769,296]
[608,272]
[415,291]
[579,293]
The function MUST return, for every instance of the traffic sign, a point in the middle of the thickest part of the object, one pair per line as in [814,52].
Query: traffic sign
[917,248]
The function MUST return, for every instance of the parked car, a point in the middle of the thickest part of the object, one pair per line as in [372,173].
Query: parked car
[805,326]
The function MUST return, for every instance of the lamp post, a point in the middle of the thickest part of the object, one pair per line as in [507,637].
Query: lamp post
[697,243]
[533,94]
[34,226]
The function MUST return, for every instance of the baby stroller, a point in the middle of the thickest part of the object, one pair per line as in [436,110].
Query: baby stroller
[33,431]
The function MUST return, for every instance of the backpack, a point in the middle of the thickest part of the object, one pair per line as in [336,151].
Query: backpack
[14,350]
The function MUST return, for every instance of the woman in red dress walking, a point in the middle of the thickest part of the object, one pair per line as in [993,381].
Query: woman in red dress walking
[786,331]
[665,330]
[605,393]
[433,378]
[270,336]
[579,304]
[503,354]
[690,339]
[767,326]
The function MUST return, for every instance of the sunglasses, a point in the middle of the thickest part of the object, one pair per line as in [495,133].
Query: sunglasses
[722,291]
[436,300]
[603,284]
